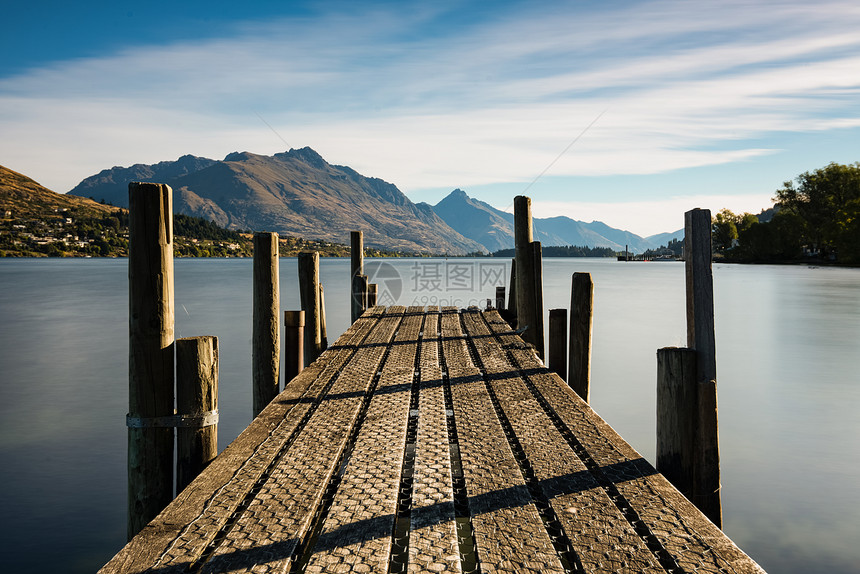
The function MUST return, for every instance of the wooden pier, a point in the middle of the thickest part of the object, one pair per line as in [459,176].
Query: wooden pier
[429,441]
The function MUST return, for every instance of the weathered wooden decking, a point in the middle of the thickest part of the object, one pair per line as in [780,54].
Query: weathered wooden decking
[429,442]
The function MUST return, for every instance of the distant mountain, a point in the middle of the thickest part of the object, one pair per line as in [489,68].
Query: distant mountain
[23,198]
[295,193]
[111,184]
[662,239]
[494,228]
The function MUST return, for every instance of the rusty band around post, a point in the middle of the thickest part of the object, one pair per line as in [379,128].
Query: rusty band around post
[202,420]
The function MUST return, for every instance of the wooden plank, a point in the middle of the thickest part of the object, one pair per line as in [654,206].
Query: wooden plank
[601,537]
[356,535]
[433,535]
[279,516]
[686,539]
[182,532]
[323,475]
[508,530]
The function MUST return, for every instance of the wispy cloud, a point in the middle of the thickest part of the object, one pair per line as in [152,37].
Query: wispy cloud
[684,85]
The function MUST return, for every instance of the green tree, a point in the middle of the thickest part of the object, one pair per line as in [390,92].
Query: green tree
[824,199]
[724,230]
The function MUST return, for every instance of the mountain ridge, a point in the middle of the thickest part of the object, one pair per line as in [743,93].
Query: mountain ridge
[494,228]
[295,192]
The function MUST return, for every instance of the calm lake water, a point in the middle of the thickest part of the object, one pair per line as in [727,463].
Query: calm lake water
[788,339]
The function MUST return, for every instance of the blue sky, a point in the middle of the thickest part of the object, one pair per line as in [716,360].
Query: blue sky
[626,112]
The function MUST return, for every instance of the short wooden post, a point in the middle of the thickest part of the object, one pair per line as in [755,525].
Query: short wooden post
[558,341]
[512,295]
[701,337]
[537,269]
[500,298]
[525,269]
[151,347]
[197,407]
[309,274]
[359,292]
[323,328]
[294,336]
[581,320]
[372,294]
[677,406]
[356,269]
[707,495]
[266,330]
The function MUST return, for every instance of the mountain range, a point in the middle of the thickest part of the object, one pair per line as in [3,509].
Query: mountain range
[298,193]
[494,228]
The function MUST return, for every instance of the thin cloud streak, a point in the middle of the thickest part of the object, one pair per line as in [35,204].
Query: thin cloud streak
[494,102]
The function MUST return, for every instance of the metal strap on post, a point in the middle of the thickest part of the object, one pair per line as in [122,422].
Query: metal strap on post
[202,420]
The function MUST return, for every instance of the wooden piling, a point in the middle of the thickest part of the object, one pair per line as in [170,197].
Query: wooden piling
[356,269]
[197,407]
[581,321]
[294,336]
[700,291]
[537,269]
[500,298]
[707,495]
[701,337]
[323,328]
[151,340]
[359,293]
[372,294]
[512,295]
[309,276]
[525,269]
[266,331]
[677,409]
[558,341]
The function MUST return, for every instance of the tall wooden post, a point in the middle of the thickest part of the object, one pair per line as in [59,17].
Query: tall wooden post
[323,328]
[677,406]
[700,291]
[512,295]
[537,269]
[558,341]
[266,338]
[309,277]
[294,336]
[151,340]
[581,320]
[356,269]
[197,407]
[701,337]
[525,269]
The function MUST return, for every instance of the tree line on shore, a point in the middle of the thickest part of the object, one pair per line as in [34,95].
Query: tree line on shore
[817,215]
